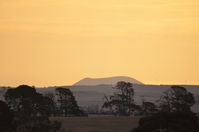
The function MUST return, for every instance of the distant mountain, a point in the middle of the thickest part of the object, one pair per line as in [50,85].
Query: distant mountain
[106,81]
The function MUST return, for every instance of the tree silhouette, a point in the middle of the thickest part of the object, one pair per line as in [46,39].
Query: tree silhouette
[169,122]
[122,102]
[67,104]
[148,108]
[31,110]
[177,98]
[20,99]
[175,114]
[6,118]
[24,99]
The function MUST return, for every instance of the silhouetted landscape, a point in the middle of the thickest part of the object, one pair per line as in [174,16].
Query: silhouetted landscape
[91,104]
[99,66]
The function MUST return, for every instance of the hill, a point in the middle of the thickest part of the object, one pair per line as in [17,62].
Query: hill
[105,81]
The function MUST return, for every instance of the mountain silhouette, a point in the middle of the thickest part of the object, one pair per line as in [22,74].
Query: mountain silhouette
[106,81]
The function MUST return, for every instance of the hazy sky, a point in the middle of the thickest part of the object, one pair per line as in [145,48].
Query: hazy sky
[58,42]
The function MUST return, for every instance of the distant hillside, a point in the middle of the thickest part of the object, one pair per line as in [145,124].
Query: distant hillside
[105,81]
[94,95]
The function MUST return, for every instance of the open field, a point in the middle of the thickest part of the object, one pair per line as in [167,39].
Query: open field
[95,123]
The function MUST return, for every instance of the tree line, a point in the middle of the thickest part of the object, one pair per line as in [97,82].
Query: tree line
[122,102]
[172,114]
[26,110]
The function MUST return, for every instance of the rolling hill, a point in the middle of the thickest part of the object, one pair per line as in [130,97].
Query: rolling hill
[105,81]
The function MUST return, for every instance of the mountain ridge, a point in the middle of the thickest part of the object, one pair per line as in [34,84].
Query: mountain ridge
[105,81]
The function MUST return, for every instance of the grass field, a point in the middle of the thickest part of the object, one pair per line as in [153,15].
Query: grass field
[96,123]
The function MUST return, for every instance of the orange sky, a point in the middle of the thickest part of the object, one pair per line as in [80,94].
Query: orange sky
[58,42]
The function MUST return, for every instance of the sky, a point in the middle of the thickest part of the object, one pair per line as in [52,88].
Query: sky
[58,42]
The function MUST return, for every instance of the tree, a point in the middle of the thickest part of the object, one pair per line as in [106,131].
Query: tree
[122,102]
[177,98]
[67,104]
[6,118]
[175,114]
[148,108]
[31,110]
[44,105]
[20,99]
[169,122]
[24,99]
[50,99]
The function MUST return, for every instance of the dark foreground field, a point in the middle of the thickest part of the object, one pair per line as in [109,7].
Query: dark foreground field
[95,123]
